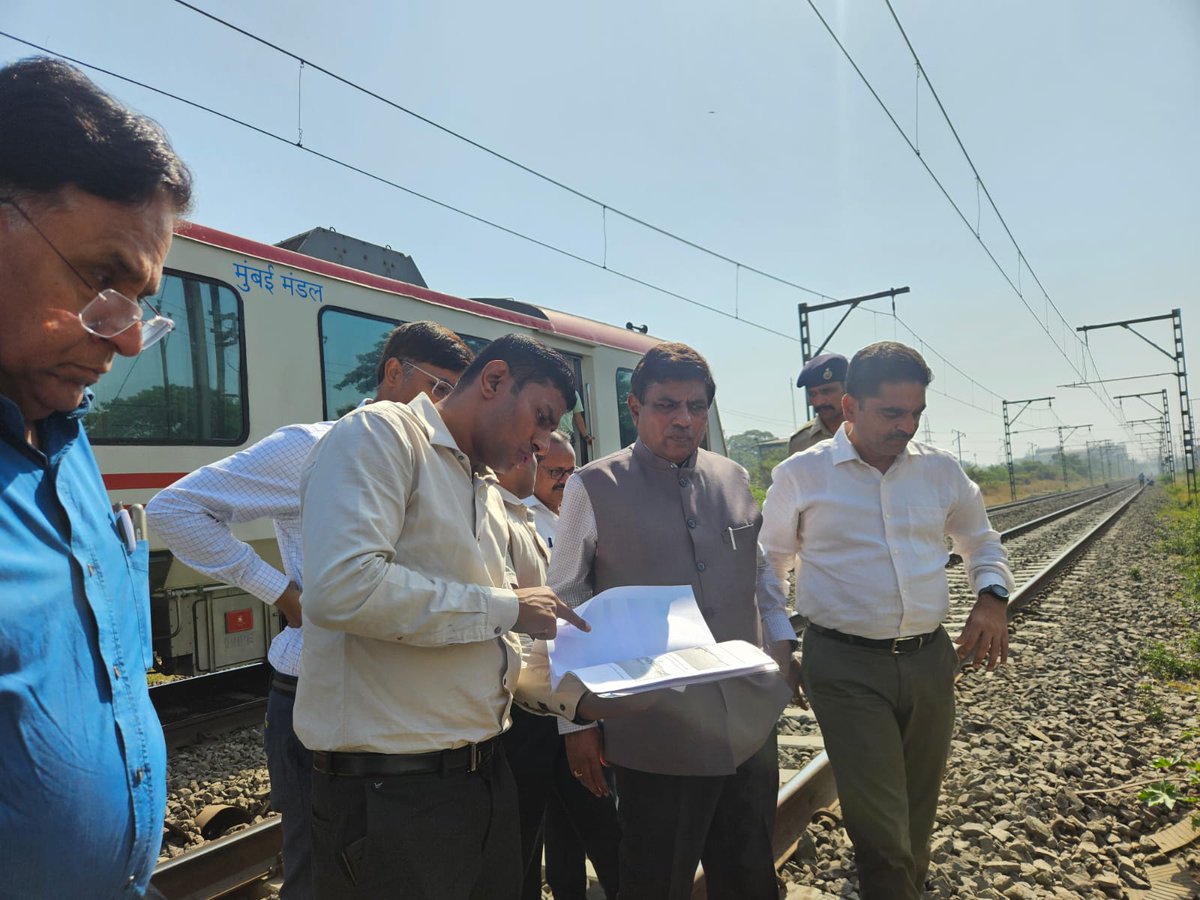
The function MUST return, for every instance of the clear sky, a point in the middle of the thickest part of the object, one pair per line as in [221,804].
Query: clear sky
[743,128]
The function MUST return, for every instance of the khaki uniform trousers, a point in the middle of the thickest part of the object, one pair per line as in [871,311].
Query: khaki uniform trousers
[886,720]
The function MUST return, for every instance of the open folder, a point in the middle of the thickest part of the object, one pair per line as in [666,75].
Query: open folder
[645,638]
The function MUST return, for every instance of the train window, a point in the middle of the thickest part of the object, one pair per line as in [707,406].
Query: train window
[624,416]
[188,389]
[351,343]
[475,343]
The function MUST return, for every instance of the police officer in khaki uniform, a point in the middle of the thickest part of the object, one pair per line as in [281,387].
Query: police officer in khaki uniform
[824,377]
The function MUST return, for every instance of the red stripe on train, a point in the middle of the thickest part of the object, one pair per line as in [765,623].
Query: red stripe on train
[130,481]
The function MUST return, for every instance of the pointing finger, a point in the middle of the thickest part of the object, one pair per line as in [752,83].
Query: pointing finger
[565,612]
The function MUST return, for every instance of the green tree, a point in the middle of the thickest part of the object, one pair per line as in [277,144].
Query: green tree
[362,376]
[172,413]
[743,448]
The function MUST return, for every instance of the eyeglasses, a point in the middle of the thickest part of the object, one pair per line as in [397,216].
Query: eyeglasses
[557,474]
[109,313]
[441,387]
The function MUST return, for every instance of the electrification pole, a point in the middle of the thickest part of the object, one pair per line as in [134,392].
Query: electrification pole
[1062,454]
[958,436]
[1008,423]
[1185,410]
[1166,455]
[804,309]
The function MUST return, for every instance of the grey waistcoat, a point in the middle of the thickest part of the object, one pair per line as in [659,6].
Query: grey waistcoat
[695,524]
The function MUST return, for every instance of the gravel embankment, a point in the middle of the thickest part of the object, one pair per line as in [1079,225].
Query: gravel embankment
[1040,799]
[232,771]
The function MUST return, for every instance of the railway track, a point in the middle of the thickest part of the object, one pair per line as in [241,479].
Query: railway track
[804,793]
[245,858]
[204,705]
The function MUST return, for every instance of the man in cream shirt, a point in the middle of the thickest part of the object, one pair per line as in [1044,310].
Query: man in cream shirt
[868,513]
[409,663]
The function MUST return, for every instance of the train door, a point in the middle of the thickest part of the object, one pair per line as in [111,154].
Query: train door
[584,406]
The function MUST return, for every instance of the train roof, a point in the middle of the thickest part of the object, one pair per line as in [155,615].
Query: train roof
[526,315]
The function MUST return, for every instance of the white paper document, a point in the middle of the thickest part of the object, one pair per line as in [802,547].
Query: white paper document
[646,638]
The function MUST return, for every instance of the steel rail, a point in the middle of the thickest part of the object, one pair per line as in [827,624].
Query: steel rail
[1058,514]
[954,559]
[192,729]
[812,788]
[1000,507]
[223,865]
[1025,595]
[242,690]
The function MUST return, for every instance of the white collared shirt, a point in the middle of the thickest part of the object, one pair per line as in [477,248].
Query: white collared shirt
[406,629]
[871,546]
[545,520]
[528,553]
[193,515]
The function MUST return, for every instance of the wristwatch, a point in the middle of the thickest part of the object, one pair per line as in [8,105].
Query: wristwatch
[999,591]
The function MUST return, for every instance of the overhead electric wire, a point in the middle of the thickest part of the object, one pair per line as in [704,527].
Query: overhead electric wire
[415,193]
[491,223]
[605,207]
[1021,257]
[1104,398]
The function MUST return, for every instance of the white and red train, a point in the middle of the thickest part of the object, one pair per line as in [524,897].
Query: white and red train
[267,336]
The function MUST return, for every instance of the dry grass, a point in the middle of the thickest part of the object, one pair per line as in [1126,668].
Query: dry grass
[995,494]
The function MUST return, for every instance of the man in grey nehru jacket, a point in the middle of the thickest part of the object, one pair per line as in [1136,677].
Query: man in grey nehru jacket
[697,774]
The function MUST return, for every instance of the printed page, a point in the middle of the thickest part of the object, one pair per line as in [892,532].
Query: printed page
[694,665]
[628,623]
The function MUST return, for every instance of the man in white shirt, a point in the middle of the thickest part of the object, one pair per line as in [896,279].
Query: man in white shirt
[553,470]
[193,518]
[410,658]
[868,512]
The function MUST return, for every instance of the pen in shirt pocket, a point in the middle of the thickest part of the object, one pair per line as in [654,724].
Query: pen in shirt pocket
[137,513]
[125,525]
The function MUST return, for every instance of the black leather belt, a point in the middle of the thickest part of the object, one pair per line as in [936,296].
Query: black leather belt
[894,645]
[285,684]
[379,765]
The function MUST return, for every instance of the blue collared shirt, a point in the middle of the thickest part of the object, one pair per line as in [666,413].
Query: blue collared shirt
[82,757]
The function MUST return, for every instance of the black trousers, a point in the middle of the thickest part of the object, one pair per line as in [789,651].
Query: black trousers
[669,823]
[545,783]
[580,826]
[420,837]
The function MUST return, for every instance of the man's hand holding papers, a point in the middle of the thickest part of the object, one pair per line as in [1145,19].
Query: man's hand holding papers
[645,638]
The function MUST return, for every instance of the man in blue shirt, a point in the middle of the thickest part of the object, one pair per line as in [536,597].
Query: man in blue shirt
[89,195]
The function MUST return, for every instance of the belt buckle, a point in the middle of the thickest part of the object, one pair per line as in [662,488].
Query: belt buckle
[896,649]
[919,639]
[473,757]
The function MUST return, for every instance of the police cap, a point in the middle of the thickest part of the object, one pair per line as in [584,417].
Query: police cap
[823,369]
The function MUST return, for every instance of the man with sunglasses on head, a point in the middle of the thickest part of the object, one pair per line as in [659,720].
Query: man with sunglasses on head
[193,518]
[89,195]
